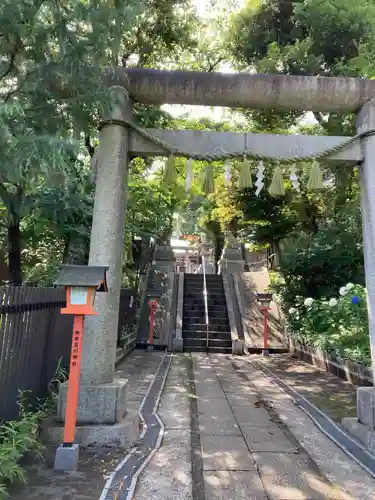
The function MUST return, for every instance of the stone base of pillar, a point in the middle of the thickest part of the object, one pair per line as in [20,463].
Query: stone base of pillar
[361,432]
[363,427]
[124,433]
[178,344]
[103,404]
[102,418]
[231,266]
[231,260]
[366,406]
[164,256]
[238,347]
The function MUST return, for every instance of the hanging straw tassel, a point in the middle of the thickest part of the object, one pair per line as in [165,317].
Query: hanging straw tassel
[294,179]
[227,174]
[277,187]
[170,170]
[316,177]
[209,183]
[178,228]
[245,179]
[189,174]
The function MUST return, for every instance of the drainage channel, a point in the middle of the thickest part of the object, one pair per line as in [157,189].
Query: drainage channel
[333,431]
[198,492]
[123,481]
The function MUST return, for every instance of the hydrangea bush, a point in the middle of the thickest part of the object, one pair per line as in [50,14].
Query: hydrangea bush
[336,324]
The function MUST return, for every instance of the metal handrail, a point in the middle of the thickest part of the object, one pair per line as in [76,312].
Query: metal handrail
[205,299]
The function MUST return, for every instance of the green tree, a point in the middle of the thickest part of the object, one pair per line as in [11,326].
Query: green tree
[300,37]
[209,52]
[160,34]
[52,94]
[51,91]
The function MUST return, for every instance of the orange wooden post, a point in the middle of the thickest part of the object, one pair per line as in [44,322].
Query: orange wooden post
[73,382]
[152,304]
[81,285]
[265,328]
[265,301]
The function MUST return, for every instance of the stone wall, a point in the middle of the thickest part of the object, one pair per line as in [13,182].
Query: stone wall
[162,279]
[246,285]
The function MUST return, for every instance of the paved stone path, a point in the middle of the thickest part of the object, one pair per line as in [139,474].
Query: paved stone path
[333,395]
[95,465]
[168,475]
[229,435]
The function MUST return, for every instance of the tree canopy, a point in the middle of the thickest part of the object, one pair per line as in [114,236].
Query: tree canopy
[51,98]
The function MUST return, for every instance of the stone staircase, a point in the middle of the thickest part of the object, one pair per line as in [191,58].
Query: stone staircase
[194,332]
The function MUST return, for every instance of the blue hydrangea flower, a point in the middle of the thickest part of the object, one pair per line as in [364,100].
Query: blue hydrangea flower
[355,299]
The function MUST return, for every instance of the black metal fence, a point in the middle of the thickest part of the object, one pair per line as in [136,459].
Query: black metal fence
[33,338]
[127,317]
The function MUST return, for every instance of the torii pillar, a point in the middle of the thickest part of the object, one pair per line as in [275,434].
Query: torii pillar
[102,417]
[363,427]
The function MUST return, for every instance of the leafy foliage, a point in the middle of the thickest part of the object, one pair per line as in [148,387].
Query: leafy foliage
[316,265]
[18,438]
[164,29]
[334,324]
[299,37]
[51,97]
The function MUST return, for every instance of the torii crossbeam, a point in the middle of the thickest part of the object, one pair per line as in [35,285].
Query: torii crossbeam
[244,90]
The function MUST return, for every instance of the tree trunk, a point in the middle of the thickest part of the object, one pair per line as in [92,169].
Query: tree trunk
[66,249]
[75,251]
[14,253]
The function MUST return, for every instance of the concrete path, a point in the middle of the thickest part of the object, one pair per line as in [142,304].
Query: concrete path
[229,434]
[168,475]
[334,396]
[96,463]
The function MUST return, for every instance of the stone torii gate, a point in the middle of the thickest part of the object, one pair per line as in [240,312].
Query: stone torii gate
[102,403]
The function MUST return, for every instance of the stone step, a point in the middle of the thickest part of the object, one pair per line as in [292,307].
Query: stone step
[218,350]
[200,312]
[210,303]
[199,291]
[191,327]
[200,276]
[220,296]
[187,316]
[202,326]
[193,320]
[192,295]
[191,302]
[199,279]
[200,305]
[194,334]
[218,308]
[210,283]
[200,283]
[202,342]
